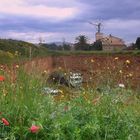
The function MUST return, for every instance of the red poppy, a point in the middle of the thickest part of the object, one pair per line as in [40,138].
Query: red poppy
[5,121]
[34,129]
[2,78]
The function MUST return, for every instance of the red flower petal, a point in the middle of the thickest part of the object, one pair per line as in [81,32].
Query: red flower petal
[34,129]
[5,121]
[2,78]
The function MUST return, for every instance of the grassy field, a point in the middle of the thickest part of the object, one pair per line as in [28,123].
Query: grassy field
[104,112]
[8,57]
[133,52]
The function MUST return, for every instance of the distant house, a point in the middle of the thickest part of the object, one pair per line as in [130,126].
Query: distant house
[110,43]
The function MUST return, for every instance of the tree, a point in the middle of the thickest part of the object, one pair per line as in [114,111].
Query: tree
[96,46]
[138,43]
[81,43]
[66,47]
[131,46]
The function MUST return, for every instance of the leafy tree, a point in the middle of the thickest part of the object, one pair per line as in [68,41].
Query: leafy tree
[66,47]
[96,46]
[81,43]
[51,46]
[131,46]
[138,43]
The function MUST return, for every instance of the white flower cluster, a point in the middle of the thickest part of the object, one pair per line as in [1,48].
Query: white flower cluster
[121,85]
[48,90]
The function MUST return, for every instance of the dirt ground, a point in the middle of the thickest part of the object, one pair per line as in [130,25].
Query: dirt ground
[121,69]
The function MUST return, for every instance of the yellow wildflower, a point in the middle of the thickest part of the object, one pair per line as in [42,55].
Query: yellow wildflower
[59,68]
[92,61]
[17,66]
[116,58]
[45,72]
[127,61]
[120,71]
[130,74]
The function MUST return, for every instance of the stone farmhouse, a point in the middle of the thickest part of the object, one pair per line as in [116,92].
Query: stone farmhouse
[110,43]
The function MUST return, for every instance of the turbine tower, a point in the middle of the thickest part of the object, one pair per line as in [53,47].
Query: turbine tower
[98,34]
[98,25]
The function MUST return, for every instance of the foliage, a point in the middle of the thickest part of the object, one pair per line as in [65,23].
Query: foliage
[138,43]
[92,52]
[81,43]
[53,46]
[6,57]
[96,46]
[131,46]
[87,114]
[66,47]
[20,48]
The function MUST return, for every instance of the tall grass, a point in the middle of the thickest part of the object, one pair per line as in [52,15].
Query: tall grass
[112,113]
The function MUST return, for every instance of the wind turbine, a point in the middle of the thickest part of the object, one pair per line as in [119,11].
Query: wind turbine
[98,25]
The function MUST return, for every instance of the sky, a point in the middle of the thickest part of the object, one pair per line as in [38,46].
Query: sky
[56,20]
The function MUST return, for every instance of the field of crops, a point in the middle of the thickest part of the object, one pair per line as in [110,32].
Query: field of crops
[105,107]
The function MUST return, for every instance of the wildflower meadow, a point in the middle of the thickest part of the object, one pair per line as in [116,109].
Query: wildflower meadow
[103,108]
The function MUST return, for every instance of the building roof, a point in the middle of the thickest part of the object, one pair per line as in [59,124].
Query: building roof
[112,40]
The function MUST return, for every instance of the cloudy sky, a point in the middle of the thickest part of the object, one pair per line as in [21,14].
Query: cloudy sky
[54,20]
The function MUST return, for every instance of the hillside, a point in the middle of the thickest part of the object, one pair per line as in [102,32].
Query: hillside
[21,48]
[13,50]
